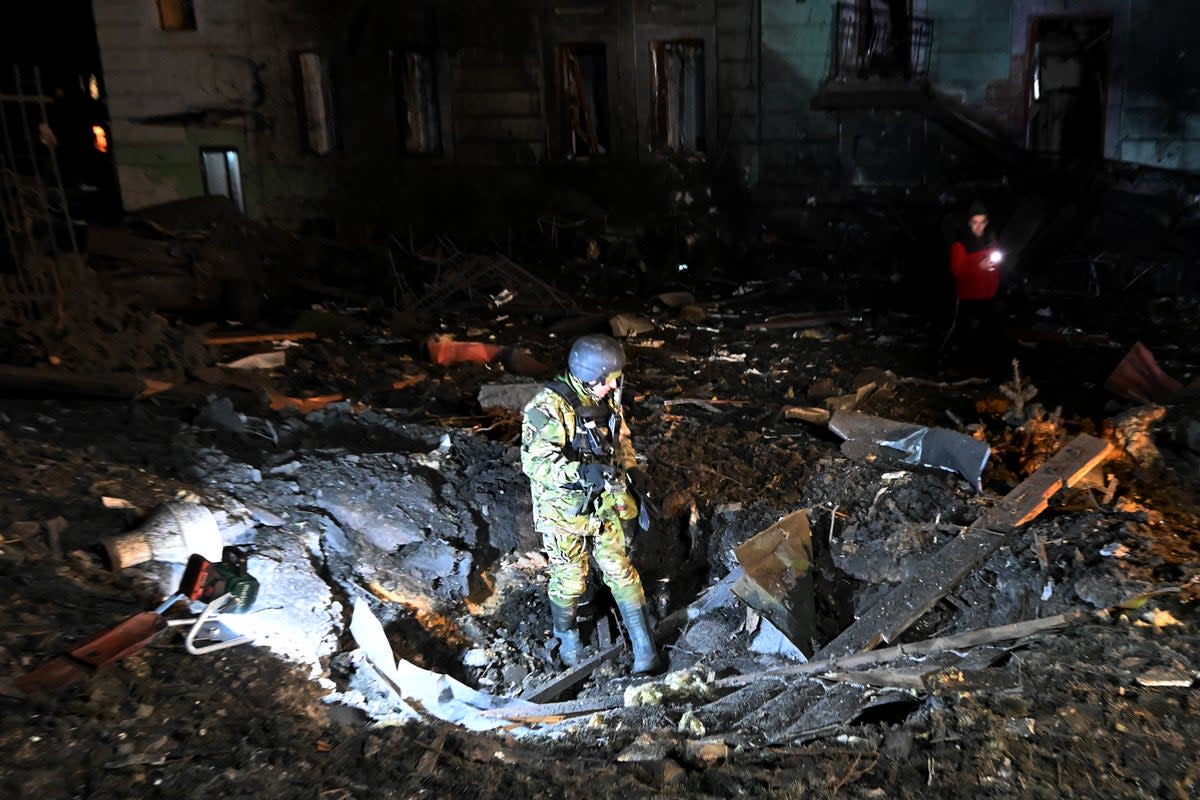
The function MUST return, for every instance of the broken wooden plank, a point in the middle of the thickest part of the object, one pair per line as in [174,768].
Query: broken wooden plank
[707,405]
[552,689]
[255,338]
[1064,469]
[905,604]
[1015,630]
[817,416]
[916,676]
[910,679]
[1159,677]
[531,711]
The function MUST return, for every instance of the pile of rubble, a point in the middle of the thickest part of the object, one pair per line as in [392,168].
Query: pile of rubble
[845,551]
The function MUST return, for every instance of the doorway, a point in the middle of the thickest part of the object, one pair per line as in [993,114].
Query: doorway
[1067,86]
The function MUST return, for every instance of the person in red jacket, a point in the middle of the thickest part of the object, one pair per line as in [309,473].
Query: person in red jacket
[975,264]
[975,260]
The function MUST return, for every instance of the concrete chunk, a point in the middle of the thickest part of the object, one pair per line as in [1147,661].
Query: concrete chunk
[508,396]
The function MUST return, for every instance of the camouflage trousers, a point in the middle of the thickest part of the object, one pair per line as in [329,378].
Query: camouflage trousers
[568,553]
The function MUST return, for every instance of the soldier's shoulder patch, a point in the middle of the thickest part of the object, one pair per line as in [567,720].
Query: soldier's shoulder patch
[536,417]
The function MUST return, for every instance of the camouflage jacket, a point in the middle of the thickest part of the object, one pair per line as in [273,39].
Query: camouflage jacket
[549,459]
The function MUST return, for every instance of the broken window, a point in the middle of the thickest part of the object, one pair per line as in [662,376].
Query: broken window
[222,173]
[318,103]
[177,15]
[414,88]
[583,80]
[677,81]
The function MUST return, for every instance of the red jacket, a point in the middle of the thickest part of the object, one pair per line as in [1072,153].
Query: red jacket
[974,275]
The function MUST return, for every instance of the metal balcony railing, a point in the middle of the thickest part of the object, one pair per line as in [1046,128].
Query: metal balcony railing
[864,45]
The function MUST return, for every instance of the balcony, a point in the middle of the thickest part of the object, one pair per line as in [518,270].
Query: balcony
[876,62]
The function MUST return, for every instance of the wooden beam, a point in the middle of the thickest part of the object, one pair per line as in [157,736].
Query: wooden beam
[1015,630]
[536,711]
[1065,468]
[905,604]
[554,688]
[253,338]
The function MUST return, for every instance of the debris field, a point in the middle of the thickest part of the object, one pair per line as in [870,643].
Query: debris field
[873,572]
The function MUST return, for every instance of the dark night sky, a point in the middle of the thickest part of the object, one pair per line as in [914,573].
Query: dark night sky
[59,36]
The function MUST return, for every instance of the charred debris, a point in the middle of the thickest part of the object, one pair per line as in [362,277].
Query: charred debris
[853,528]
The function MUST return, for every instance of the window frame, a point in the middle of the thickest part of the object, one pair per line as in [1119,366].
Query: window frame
[659,137]
[600,107]
[311,130]
[433,105]
[237,192]
[184,9]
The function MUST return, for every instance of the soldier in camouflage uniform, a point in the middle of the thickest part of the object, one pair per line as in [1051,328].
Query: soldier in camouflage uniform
[576,451]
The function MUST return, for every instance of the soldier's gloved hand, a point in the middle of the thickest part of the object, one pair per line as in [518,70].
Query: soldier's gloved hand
[596,475]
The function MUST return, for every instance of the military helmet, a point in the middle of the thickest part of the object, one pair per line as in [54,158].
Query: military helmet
[595,358]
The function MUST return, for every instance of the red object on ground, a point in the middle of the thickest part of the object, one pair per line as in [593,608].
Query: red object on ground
[304,405]
[444,352]
[104,648]
[1139,377]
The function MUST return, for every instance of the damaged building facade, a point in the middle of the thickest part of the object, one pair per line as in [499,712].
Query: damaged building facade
[293,109]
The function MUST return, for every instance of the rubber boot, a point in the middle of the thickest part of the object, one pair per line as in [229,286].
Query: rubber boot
[645,654]
[566,632]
